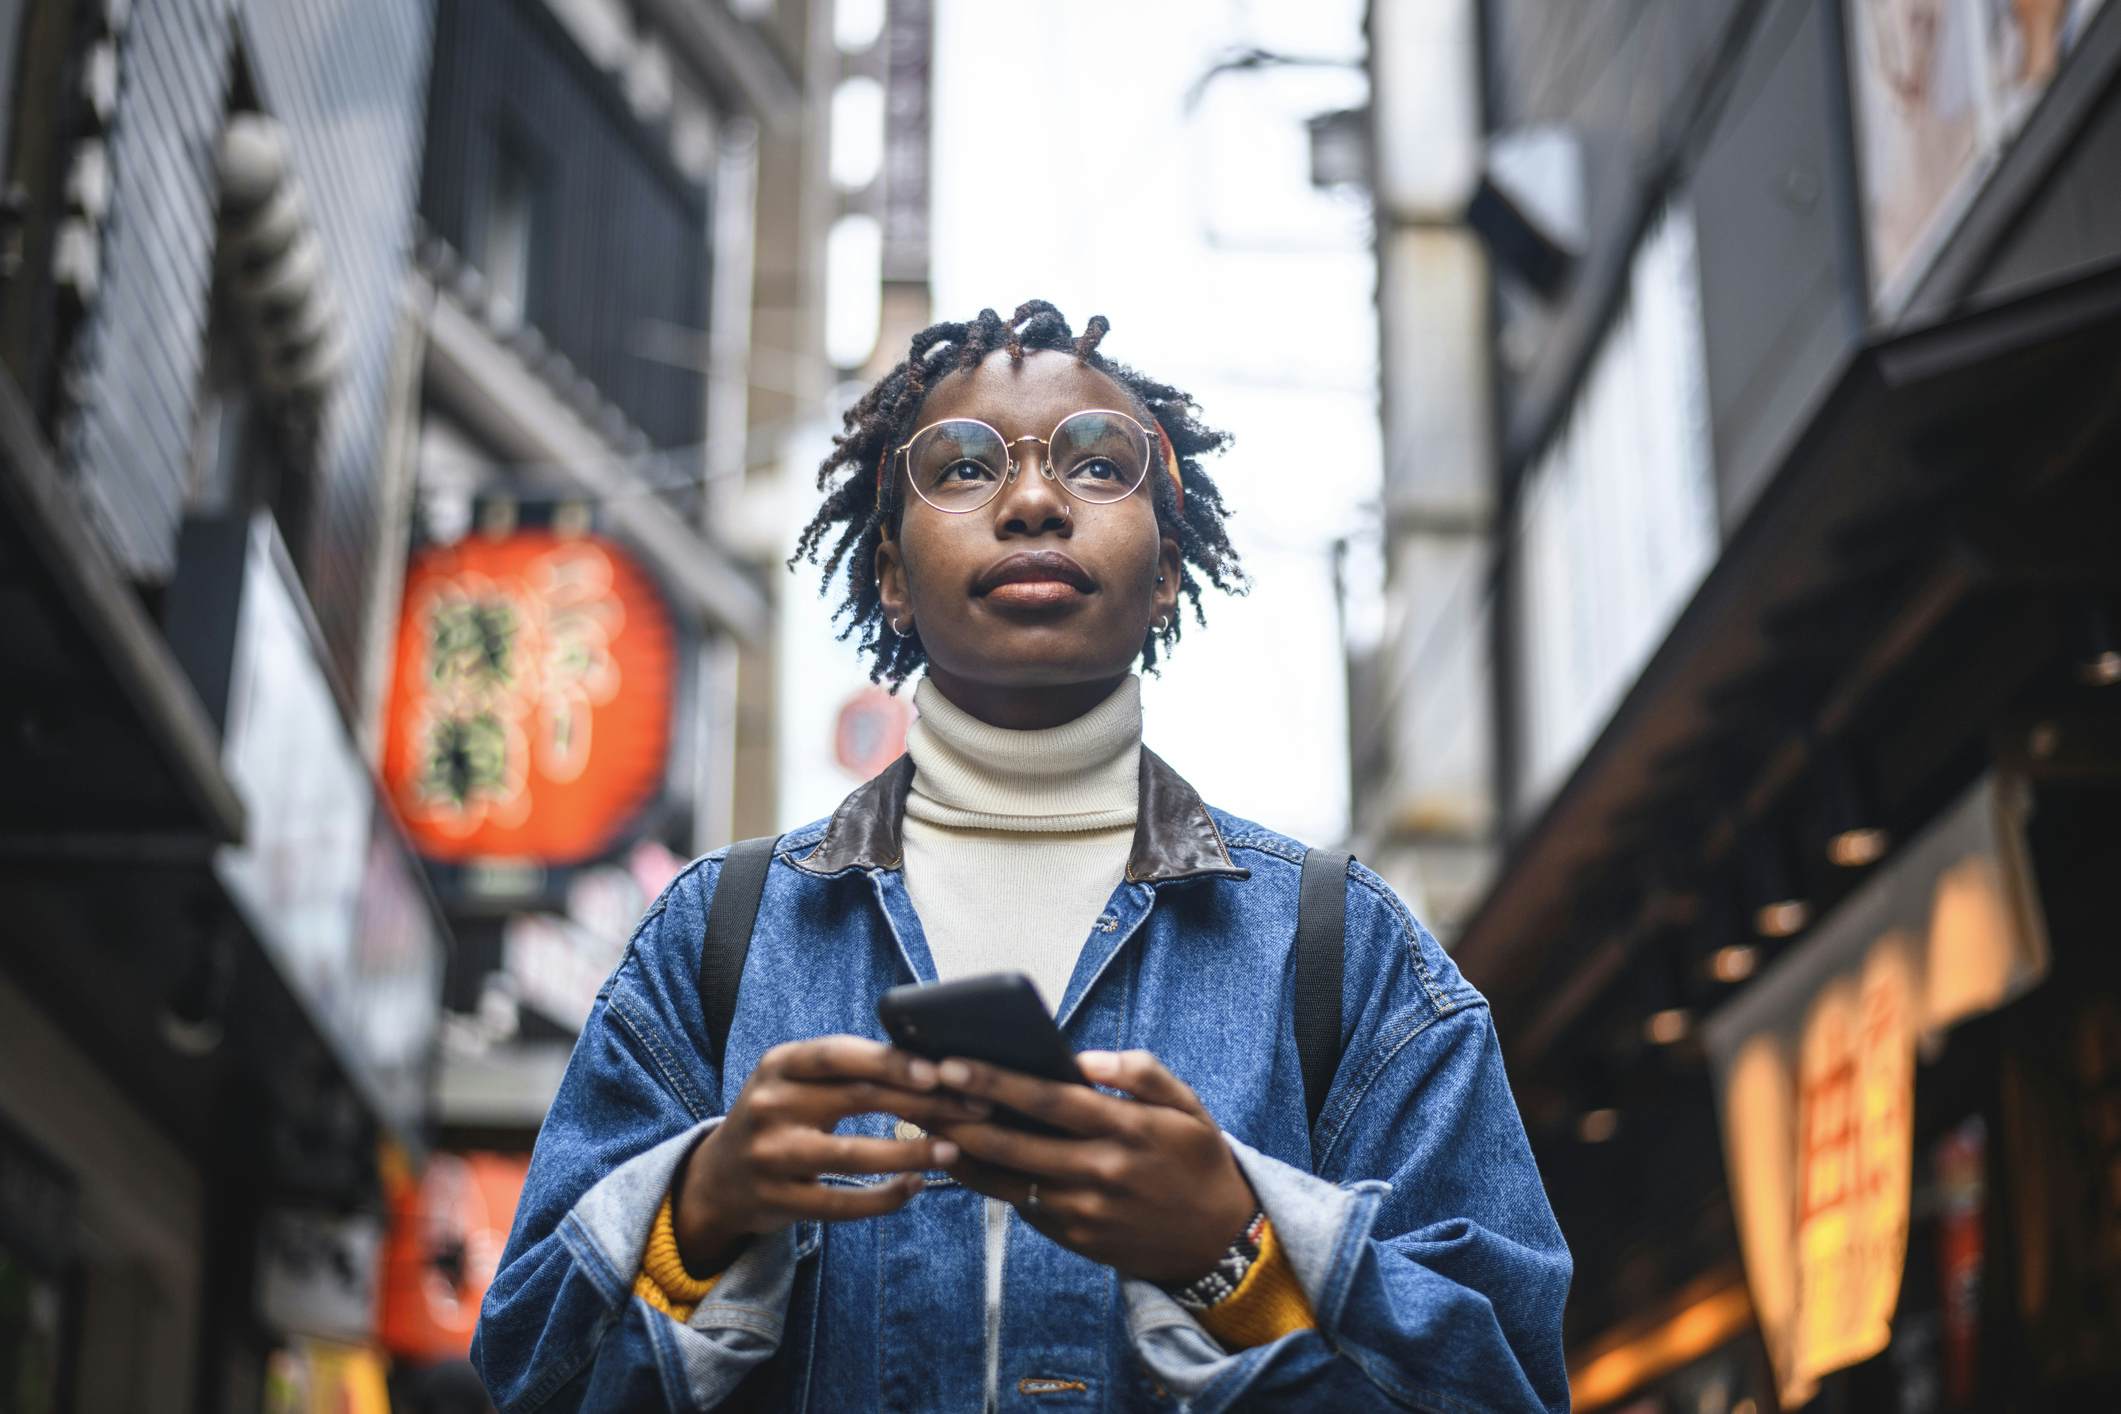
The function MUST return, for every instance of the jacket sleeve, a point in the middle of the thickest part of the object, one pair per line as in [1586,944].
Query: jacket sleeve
[562,1327]
[1423,1240]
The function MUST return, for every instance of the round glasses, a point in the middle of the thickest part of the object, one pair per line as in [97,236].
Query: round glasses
[959,464]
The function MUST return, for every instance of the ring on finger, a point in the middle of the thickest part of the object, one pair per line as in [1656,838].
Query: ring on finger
[1031,1197]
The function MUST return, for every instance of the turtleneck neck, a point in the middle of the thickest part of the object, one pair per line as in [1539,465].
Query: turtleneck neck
[1081,775]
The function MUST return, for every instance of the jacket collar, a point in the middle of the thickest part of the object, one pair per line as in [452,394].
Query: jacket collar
[1174,836]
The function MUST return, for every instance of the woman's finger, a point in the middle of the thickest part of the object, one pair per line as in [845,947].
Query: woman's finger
[936,1108]
[793,1152]
[1075,1108]
[1141,1075]
[850,1058]
[1076,1160]
[1006,1184]
[824,1103]
[833,1202]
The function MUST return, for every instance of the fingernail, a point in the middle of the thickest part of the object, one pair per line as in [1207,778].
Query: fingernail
[916,1182]
[956,1072]
[942,1154]
[920,1072]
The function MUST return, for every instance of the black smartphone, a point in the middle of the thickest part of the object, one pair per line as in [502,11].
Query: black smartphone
[996,1017]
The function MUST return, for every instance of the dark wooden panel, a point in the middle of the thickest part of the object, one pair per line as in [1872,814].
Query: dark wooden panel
[619,237]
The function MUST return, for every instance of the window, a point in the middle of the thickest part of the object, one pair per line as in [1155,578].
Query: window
[509,247]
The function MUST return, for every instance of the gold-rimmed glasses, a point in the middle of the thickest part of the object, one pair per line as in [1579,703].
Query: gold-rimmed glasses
[957,465]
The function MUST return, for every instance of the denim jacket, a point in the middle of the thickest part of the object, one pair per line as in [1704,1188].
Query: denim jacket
[1411,1212]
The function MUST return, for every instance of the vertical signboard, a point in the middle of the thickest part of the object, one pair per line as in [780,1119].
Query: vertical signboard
[1816,1069]
[322,878]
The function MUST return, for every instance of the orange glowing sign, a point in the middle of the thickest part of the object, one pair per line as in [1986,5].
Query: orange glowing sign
[1856,1133]
[1817,1065]
[446,1235]
[530,711]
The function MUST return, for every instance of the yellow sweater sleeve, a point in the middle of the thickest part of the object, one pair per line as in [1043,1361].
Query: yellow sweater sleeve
[662,1281]
[1267,1304]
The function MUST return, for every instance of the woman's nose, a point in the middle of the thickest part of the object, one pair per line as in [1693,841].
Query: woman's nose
[1034,496]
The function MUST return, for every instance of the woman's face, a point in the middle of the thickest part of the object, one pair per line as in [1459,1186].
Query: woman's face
[1035,654]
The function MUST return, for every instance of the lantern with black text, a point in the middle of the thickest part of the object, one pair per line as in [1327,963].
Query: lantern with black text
[530,713]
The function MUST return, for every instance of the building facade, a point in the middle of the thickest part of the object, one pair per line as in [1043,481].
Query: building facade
[616,273]
[386,390]
[1750,366]
[221,965]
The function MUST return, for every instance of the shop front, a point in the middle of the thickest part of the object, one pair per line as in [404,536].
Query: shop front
[1798,949]
[221,979]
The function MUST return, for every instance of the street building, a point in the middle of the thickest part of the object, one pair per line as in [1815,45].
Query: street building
[613,310]
[1751,717]
[221,962]
[388,389]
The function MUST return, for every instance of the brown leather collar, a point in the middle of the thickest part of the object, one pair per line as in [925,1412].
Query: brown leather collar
[1174,836]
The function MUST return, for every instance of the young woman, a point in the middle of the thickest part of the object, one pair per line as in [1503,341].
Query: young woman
[824,1222]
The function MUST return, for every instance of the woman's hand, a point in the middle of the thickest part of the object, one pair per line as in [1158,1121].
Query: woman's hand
[1145,1185]
[757,1170]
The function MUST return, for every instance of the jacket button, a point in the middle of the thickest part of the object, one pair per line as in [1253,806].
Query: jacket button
[907,1129]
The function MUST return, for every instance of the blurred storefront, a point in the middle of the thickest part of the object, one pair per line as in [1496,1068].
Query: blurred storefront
[1764,558]
[381,402]
[221,966]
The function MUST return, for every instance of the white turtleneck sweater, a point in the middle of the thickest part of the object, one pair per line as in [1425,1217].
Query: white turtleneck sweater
[1015,840]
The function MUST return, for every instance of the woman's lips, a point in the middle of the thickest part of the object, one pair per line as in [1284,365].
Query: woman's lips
[1035,593]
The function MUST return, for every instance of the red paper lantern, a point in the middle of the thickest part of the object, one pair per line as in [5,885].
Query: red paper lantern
[530,711]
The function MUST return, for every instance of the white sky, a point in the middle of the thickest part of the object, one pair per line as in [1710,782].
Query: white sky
[1067,167]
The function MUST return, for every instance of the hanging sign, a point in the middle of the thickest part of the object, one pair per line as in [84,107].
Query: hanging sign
[1815,1077]
[530,711]
[446,1235]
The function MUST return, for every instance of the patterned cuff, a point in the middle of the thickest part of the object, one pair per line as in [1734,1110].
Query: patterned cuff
[1228,1272]
[1267,1304]
[662,1280]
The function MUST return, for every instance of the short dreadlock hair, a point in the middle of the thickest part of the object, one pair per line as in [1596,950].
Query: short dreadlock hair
[886,416]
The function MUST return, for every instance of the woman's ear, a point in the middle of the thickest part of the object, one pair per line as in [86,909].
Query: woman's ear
[891,580]
[1168,561]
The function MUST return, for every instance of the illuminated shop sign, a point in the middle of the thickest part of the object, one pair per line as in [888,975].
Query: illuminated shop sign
[530,711]
[1815,1077]
[446,1235]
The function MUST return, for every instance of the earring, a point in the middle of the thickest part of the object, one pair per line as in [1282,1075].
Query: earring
[895,628]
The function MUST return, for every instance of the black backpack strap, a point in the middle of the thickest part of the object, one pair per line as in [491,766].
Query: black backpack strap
[1321,939]
[729,918]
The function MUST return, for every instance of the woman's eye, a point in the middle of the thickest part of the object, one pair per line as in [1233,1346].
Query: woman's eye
[1096,469]
[974,469]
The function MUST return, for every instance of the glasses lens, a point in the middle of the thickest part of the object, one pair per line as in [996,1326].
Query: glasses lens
[957,465]
[1100,455]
